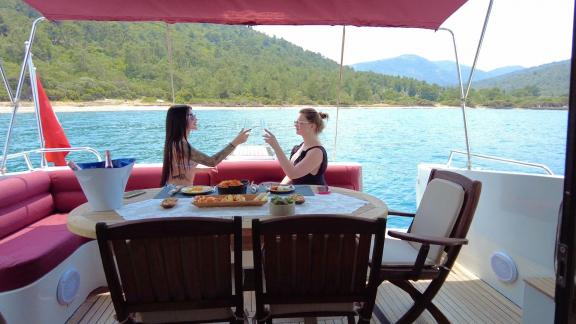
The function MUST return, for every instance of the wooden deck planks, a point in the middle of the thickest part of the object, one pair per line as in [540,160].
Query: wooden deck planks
[463,299]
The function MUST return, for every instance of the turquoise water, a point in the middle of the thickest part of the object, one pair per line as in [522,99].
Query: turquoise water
[389,143]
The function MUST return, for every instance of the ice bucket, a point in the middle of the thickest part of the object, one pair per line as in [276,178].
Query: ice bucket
[104,187]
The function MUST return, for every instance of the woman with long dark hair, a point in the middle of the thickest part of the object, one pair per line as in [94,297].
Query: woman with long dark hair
[180,158]
[309,160]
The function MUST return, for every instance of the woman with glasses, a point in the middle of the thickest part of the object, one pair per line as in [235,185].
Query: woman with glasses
[180,158]
[308,161]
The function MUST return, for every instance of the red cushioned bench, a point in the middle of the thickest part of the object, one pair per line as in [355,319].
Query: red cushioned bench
[36,247]
[34,206]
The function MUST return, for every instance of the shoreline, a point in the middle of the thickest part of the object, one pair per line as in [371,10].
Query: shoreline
[110,105]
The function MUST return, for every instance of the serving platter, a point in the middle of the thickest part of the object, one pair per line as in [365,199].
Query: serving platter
[243,200]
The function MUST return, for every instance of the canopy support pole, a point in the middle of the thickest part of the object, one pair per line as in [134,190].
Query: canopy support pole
[170,60]
[464,95]
[6,84]
[16,101]
[34,87]
[339,89]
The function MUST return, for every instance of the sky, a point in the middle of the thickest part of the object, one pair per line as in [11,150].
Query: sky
[520,32]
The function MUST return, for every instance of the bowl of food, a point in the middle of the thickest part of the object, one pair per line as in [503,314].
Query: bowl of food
[232,187]
[282,206]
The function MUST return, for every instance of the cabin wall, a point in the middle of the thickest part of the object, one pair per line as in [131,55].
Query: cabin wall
[517,214]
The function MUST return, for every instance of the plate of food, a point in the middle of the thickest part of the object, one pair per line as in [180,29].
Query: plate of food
[196,190]
[240,200]
[281,189]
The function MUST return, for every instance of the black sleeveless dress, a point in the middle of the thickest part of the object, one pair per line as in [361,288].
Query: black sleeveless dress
[311,179]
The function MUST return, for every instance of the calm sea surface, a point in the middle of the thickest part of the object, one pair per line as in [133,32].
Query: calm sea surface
[389,143]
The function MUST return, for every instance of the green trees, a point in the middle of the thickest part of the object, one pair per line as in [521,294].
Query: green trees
[212,64]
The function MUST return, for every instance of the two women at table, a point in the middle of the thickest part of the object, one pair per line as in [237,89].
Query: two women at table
[307,163]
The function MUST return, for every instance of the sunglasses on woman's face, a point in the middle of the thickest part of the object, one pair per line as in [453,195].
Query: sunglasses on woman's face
[299,122]
[191,116]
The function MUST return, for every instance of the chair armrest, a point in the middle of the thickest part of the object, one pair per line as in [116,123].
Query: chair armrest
[399,213]
[425,239]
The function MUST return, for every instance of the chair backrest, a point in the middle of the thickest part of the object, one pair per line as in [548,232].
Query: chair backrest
[172,264]
[316,258]
[446,209]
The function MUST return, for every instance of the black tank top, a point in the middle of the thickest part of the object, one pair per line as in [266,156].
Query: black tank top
[312,179]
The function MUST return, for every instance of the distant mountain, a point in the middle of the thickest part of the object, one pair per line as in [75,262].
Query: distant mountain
[551,79]
[439,72]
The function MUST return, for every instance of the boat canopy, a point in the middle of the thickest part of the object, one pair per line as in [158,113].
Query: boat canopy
[377,13]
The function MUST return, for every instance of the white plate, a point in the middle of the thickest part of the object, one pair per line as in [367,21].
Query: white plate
[196,190]
[281,189]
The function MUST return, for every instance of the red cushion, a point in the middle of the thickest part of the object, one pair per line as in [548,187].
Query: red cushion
[24,199]
[344,175]
[257,171]
[66,191]
[144,177]
[33,251]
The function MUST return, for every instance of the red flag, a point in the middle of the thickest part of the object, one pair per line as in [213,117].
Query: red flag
[51,129]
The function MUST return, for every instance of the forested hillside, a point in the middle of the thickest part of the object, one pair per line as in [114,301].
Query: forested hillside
[212,64]
[549,79]
[443,73]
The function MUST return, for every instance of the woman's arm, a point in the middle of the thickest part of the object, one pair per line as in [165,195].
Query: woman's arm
[213,160]
[311,161]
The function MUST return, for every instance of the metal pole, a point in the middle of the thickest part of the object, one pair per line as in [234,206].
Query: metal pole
[339,89]
[6,83]
[16,101]
[34,87]
[170,60]
[479,47]
[462,99]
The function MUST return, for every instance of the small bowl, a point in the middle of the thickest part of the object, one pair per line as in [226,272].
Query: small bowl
[282,210]
[233,190]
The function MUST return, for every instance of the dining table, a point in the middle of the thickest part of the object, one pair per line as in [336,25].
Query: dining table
[82,220]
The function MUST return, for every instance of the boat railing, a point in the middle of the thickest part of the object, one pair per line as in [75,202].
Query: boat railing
[495,158]
[26,154]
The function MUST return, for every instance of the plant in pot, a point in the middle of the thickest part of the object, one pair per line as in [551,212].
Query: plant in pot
[282,206]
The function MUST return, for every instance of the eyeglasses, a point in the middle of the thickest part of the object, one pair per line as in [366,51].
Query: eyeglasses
[299,122]
[191,116]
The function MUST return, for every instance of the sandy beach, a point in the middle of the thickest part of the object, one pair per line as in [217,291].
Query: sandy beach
[117,105]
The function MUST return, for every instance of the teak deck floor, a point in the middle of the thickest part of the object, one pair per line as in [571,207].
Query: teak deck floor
[463,299]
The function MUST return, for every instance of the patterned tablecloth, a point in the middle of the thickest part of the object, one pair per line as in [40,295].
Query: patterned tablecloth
[333,203]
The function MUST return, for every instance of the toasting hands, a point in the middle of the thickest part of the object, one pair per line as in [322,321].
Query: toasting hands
[242,137]
[271,139]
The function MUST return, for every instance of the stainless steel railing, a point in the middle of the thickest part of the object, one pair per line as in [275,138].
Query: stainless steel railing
[26,154]
[495,158]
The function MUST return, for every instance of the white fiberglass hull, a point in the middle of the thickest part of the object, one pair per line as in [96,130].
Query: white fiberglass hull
[518,215]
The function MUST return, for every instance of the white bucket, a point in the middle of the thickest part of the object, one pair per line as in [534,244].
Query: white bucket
[104,187]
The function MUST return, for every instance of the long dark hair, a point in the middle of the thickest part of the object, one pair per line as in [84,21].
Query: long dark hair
[176,146]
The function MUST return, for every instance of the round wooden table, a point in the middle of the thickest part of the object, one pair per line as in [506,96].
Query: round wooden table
[82,220]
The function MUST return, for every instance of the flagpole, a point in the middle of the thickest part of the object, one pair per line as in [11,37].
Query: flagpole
[34,87]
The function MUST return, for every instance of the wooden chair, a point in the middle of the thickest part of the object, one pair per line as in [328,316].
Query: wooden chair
[430,248]
[174,269]
[316,265]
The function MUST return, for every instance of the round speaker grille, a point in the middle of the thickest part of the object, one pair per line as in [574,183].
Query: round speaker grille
[68,286]
[504,267]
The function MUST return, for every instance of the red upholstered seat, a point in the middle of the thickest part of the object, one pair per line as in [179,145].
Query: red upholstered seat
[33,251]
[34,206]
[347,175]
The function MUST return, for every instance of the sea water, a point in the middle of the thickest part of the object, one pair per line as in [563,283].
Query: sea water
[388,142]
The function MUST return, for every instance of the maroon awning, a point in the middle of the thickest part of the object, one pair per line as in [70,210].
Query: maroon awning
[428,14]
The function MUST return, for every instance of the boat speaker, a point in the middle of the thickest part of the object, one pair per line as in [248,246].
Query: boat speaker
[504,267]
[68,286]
